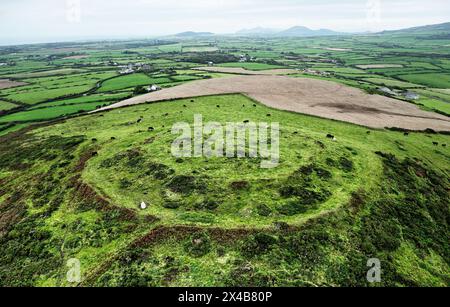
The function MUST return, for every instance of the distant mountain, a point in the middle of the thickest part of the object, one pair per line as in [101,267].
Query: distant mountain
[194,34]
[297,31]
[304,31]
[259,31]
[443,28]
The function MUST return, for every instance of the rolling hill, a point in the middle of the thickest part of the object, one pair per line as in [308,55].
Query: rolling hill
[443,28]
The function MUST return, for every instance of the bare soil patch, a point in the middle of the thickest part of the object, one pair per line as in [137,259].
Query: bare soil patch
[374,66]
[338,49]
[76,57]
[5,83]
[308,96]
[242,71]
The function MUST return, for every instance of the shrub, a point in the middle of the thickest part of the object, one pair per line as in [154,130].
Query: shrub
[198,245]
[264,210]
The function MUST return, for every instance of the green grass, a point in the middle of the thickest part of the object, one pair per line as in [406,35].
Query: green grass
[49,88]
[130,81]
[392,83]
[83,100]
[52,112]
[47,73]
[132,164]
[4,105]
[36,96]
[435,104]
[235,204]
[432,80]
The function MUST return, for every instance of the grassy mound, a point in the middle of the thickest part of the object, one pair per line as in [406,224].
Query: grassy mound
[73,190]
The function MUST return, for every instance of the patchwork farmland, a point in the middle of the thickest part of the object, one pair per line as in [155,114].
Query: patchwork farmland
[86,170]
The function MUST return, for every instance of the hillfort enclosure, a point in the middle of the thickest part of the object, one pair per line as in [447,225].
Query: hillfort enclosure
[233,140]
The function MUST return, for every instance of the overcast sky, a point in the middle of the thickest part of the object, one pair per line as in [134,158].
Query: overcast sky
[25,21]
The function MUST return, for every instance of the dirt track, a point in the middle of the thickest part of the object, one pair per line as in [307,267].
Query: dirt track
[308,96]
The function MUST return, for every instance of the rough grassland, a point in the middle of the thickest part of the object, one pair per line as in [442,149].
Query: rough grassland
[314,220]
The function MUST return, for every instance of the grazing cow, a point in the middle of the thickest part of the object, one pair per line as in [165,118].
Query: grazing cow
[184,106]
[94,154]
[94,140]
[406,134]
[167,114]
[139,120]
[218,106]
[435,143]
[368,132]
[254,105]
[151,129]
[113,138]
[330,136]
[269,115]
[246,121]
[444,145]
[192,100]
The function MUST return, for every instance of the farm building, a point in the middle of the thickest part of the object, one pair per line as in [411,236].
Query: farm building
[411,95]
[387,90]
[153,88]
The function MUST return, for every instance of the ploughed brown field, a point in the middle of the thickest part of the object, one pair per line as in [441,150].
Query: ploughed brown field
[5,83]
[308,96]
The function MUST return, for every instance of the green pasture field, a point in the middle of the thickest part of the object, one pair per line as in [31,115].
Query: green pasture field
[34,96]
[433,80]
[52,112]
[392,83]
[83,100]
[47,88]
[130,81]
[4,105]
[48,73]
[200,48]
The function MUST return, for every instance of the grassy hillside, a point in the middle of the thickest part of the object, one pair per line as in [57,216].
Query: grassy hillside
[73,189]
